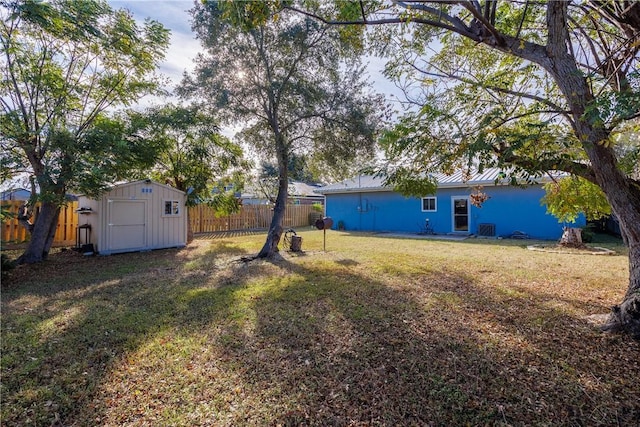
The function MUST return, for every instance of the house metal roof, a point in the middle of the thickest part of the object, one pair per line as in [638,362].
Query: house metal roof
[488,177]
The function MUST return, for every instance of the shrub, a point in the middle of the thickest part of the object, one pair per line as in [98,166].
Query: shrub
[587,234]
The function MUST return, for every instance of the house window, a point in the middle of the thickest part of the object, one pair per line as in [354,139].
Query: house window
[171,208]
[429,204]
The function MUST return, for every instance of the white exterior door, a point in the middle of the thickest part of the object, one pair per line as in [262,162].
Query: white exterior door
[460,213]
[126,225]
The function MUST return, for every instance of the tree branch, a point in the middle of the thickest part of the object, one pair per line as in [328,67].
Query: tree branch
[462,31]
[524,16]
[556,108]
[499,38]
[557,34]
[580,169]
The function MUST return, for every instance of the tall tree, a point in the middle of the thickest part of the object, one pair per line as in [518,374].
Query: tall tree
[286,84]
[64,64]
[195,155]
[528,85]
[298,169]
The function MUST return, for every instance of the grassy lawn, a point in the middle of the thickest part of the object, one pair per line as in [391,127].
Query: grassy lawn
[376,331]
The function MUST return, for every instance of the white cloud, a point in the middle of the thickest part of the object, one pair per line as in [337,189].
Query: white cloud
[174,16]
[184,47]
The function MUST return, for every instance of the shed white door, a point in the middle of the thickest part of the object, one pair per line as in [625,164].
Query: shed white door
[127,224]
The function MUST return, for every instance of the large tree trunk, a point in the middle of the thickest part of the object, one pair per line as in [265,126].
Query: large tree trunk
[571,237]
[625,317]
[624,196]
[189,227]
[43,232]
[623,193]
[275,229]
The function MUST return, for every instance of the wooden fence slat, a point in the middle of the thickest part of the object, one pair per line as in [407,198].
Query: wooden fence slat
[202,218]
[13,232]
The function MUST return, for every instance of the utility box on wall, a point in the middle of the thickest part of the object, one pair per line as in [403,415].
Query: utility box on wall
[136,216]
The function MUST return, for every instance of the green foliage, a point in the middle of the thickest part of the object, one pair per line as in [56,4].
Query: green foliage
[111,149]
[194,155]
[492,94]
[225,203]
[409,183]
[285,85]
[68,62]
[290,85]
[298,169]
[318,207]
[5,213]
[472,121]
[567,197]
[627,147]
[223,195]
[247,15]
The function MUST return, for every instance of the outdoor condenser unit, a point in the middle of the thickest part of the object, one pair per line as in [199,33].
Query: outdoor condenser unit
[488,230]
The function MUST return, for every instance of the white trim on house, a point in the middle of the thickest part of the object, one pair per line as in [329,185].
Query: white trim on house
[453,213]
[435,204]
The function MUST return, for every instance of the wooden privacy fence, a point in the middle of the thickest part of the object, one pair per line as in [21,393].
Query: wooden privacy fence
[13,232]
[204,220]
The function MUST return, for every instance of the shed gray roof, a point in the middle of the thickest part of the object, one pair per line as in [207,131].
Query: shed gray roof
[488,177]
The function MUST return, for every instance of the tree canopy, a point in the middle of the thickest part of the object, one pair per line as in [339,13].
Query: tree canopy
[568,197]
[290,87]
[195,155]
[65,66]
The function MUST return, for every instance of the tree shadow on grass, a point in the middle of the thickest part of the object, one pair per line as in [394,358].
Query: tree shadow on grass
[348,350]
[308,344]
[66,322]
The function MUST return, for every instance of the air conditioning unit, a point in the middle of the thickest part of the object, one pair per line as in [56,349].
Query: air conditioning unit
[488,230]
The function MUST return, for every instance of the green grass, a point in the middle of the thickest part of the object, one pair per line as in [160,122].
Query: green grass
[375,331]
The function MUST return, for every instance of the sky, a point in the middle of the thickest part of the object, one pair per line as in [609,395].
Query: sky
[174,15]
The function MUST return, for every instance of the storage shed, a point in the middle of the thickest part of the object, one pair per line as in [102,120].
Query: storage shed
[135,216]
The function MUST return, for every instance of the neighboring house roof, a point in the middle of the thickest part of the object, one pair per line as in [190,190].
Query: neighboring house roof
[300,189]
[369,183]
[22,194]
[296,189]
[15,194]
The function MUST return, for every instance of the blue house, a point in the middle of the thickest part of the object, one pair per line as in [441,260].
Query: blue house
[365,204]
